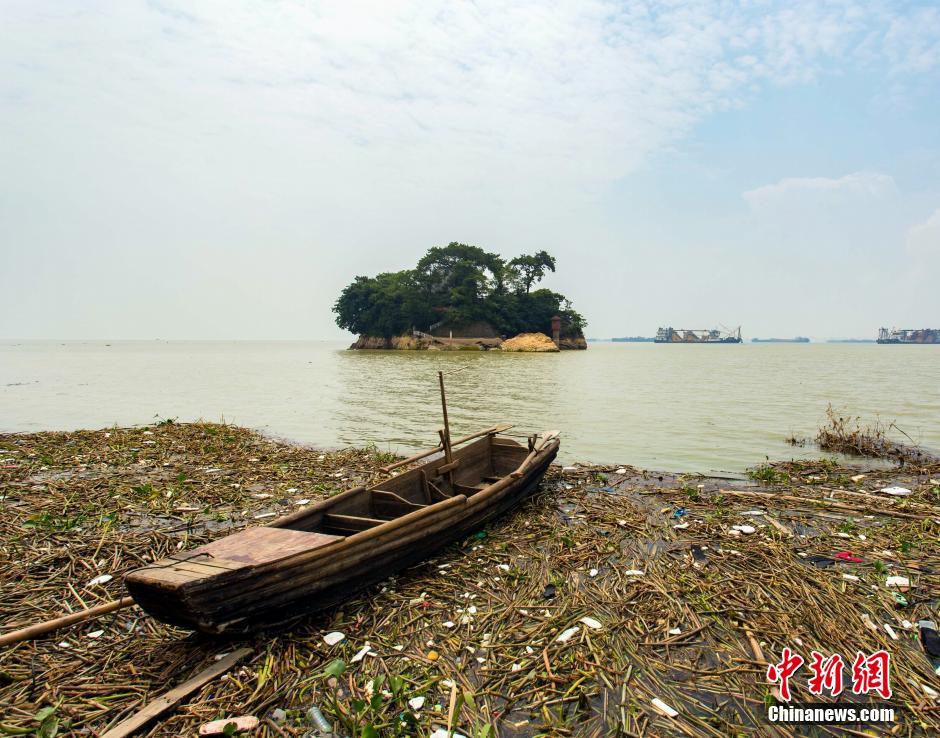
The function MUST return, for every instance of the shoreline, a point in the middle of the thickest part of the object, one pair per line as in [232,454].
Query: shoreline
[91,503]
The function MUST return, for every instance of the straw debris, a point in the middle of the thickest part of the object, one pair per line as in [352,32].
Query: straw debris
[689,617]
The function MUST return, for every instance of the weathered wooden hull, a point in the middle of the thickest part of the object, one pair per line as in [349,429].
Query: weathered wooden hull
[217,589]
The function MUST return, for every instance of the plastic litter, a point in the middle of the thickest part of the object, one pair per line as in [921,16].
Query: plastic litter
[592,573]
[635,573]
[745,529]
[900,599]
[566,634]
[549,591]
[102,579]
[821,562]
[96,634]
[929,638]
[218,727]
[896,491]
[890,631]
[444,733]
[679,512]
[621,470]
[416,703]
[331,639]
[361,653]
[850,577]
[902,583]
[591,623]
[319,720]
[278,715]
[681,526]
[664,708]
[698,556]
[848,556]
[858,478]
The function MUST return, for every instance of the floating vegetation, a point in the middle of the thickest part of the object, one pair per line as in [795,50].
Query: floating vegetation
[847,435]
[615,601]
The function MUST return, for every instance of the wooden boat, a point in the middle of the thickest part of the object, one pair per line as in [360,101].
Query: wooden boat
[320,555]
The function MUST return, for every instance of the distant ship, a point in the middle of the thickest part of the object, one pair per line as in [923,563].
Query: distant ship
[633,339]
[798,339]
[909,335]
[685,335]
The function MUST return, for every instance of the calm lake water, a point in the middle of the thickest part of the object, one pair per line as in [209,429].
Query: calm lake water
[681,408]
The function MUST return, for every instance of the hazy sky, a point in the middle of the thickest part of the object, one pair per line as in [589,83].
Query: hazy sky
[222,169]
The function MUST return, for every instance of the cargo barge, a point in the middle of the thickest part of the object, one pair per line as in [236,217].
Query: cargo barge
[686,335]
[909,335]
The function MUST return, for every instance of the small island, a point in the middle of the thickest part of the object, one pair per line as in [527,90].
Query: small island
[460,297]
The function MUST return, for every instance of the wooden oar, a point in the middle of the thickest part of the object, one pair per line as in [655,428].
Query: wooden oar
[40,629]
[541,443]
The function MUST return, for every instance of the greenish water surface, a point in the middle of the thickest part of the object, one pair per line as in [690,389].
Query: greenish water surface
[680,408]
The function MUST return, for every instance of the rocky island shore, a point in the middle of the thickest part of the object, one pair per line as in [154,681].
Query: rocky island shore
[615,601]
[528,342]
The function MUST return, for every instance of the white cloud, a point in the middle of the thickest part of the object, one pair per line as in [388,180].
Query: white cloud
[855,187]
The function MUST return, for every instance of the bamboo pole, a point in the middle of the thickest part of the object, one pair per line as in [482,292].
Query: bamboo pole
[445,438]
[40,629]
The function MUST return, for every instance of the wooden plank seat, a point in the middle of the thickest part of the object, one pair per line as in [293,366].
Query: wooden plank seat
[388,506]
[349,523]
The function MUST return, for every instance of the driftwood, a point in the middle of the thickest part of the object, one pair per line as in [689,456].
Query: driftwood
[41,629]
[171,699]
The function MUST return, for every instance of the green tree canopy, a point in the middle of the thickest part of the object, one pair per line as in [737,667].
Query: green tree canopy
[530,268]
[457,284]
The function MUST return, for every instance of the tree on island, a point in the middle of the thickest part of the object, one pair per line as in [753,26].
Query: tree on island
[457,285]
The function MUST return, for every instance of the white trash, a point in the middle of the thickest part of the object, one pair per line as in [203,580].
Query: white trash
[664,708]
[902,583]
[361,653]
[416,703]
[896,491]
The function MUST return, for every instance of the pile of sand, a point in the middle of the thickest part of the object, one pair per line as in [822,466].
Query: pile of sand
[529,342]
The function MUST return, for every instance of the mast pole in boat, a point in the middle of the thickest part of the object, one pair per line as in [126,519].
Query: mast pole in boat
[445,438]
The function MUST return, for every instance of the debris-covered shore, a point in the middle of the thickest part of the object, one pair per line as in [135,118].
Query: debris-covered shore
[611,588]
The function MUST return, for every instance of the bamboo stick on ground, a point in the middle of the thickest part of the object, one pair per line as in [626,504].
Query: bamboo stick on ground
[49,626]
